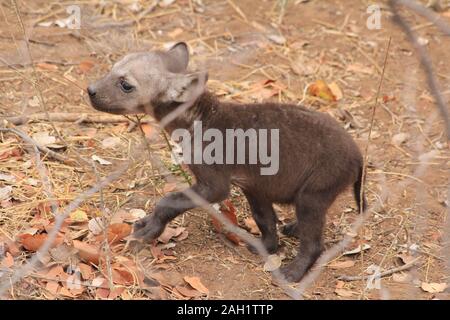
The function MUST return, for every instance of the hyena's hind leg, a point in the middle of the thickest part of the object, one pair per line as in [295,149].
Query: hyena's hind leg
[311,211]
[266,220]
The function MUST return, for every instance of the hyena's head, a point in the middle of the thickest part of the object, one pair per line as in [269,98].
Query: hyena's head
[139,81]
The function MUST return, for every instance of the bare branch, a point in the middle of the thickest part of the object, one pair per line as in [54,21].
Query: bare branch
[66,117]
[382,274]
[425,60]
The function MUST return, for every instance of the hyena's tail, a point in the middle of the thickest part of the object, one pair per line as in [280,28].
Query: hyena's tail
[357,192]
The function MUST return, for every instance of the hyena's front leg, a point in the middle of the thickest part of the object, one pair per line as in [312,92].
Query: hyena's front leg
[174,204]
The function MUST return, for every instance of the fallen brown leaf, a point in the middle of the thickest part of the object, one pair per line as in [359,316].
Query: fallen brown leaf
[86,271]
[148,130]
[336,90]
[406,258]
[251,225]
[228,210]
[344,293]
[87,252]
[196,283]
[78,216]
[322,90]
[52,287]
[116,292]
[190,293]
[34,242]
[118,231]
[7,261]
[170,233]
[169,187]
[341,264]
[46,66]
[122,276]
[85,66]
[433,287]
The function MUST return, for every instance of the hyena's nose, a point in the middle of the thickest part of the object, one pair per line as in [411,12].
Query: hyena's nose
[91,91]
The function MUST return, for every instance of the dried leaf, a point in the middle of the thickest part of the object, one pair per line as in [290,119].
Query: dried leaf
[301,66]
[341,264]
[52,287]
[7,177]
[358,249]
[100,160]
[228,210]
[66,292]
[102,293]
[11,152]
[278,39]
[359,68]
[195,283]
[62,253]
[344,293]
[433,287]
[251,225]
[79,216]
[169,187]
[87,252]
[98,281]
[170,233]
[86,271]
[46,66]
[273,262]
[175,33]
[401,277]
[399,138]
[43,138]
[182,236]
[33,102]
[85,66]
[118,231]
[57,273]
[34,242]
[406,258]
[122,276]
[336,90]
[128,216]
[156,252]
[12,248]
[96,225]
[187,292]
[322,90]
[116,292]
[136,214]
[7,261]
[148,130]
[165,3]
[111,142]
[5,192]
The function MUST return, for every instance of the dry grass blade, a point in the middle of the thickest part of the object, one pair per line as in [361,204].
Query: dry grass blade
[369,137]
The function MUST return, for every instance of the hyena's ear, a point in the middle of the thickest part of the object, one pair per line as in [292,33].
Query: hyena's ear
[176,58]
[186,87]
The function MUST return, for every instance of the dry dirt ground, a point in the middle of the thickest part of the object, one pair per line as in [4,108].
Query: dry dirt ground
[242,44]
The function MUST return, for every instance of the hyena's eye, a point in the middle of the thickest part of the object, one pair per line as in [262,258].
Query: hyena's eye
[125,86]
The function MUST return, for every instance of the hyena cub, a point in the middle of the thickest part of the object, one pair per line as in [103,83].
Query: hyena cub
[317,159]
